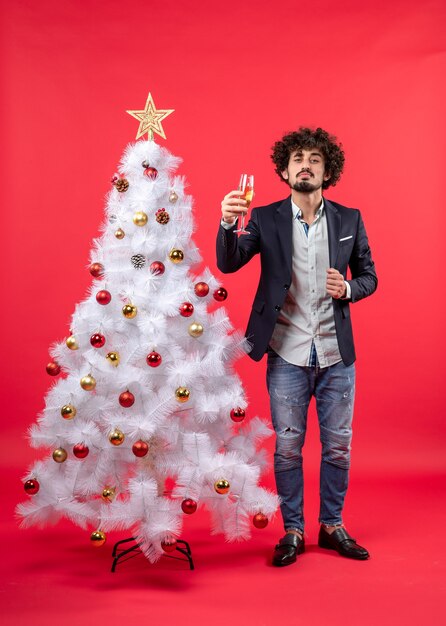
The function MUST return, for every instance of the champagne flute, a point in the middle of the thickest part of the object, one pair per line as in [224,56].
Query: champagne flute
[246,187]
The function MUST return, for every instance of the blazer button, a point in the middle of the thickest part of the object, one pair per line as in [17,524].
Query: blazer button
[286,286]
[277,307]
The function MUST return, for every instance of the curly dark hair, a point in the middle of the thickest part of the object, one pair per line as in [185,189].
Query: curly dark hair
[307,138]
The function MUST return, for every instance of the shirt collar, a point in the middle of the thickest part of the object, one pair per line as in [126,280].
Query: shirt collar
[297,211]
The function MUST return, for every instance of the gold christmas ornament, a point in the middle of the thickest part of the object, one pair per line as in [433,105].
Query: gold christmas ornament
[116,437]
[129,311]
[108,494]
[98,538]
[119,234]
[173,197]
[88,382]
[140,218]
[176,256]
[150,119]
[222,486]
[113,358]
[182,394]
[60,455]
[195,329]
[72,343]
[68,411]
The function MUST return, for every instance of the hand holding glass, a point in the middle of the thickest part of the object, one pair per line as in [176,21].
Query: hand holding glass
[246,187]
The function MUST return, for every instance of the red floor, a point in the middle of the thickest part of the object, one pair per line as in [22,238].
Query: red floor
[54,576]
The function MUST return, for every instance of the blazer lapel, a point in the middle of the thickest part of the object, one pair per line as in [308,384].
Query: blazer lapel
[284,224]
[334,228]
[284,218]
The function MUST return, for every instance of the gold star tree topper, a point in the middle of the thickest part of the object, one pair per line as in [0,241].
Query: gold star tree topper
[150,119]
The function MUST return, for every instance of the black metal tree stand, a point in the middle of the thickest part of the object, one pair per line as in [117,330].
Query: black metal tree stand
[122,554]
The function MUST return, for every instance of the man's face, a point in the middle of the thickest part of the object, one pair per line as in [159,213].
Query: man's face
[306,170]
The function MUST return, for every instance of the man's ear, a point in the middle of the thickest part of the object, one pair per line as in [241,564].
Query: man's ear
[285,174]
[327,176]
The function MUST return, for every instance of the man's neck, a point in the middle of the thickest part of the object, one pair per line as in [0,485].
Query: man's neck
[308,203]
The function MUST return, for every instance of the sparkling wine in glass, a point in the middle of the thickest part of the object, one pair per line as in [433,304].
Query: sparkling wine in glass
[246,187]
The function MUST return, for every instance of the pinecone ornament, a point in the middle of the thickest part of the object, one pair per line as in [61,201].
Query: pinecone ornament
[162,216]
[122,184]
[138,261]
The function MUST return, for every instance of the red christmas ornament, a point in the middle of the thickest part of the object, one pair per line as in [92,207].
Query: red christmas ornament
[97,340]
[103,297]
[140,448]
[154,359]
[96,269]
[126,399]
[31,486]
[238,414]
[260,521]
[186,309]
[220,294]
[157,268]
[201,289]
[80,451]
[169,546]
[189,506]
[114,178]
[151,173]
[53,368]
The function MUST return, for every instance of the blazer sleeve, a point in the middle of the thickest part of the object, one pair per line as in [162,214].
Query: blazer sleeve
[234,252]
[364,279]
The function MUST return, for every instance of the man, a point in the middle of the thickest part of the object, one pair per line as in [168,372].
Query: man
[301,318]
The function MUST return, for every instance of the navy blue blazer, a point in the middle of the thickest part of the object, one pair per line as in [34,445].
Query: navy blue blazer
[270,236]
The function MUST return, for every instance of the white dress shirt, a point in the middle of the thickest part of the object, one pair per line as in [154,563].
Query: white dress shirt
[307,313]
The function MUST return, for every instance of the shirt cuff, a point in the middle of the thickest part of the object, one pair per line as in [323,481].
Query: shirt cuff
[348,292]
[226,225]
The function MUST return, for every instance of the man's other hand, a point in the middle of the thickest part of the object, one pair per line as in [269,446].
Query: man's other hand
[336,287]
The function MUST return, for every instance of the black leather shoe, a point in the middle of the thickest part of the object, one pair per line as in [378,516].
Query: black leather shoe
[287,550]
[341,541]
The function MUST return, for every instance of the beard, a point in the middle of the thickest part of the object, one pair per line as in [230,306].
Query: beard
[305,186]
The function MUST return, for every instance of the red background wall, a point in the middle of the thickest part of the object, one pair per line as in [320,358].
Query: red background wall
[238,75]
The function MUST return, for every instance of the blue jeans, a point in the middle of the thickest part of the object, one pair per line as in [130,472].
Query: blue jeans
[290,389]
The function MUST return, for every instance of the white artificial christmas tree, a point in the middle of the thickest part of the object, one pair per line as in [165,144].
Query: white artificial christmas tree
[149,391]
